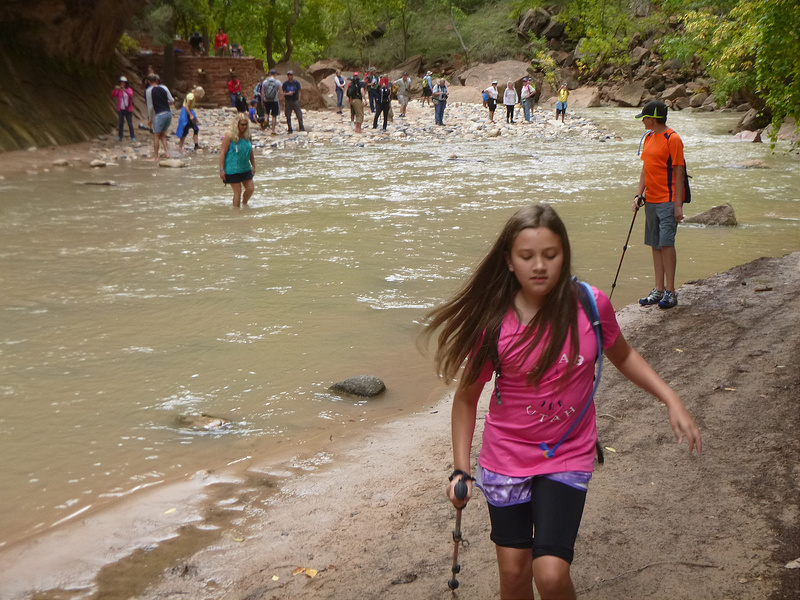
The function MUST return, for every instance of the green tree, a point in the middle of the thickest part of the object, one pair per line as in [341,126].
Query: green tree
[749,45]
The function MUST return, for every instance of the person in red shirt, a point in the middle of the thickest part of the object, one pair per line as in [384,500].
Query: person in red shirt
[221,43]
[661,189]
[234,88]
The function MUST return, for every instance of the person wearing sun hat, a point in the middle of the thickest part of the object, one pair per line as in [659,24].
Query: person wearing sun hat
[427,89]
[661,191]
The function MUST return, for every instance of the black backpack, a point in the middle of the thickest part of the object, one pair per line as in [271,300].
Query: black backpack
[354,89]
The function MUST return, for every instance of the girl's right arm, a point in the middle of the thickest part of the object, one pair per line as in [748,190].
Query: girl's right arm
[462,420]
[226,142]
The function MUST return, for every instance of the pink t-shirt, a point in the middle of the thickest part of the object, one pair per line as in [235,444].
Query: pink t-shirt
[528,416]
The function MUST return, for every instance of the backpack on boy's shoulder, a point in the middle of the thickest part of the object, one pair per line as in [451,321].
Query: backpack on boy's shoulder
[687,190]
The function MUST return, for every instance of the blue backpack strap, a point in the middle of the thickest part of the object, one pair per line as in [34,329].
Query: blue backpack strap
[589,304]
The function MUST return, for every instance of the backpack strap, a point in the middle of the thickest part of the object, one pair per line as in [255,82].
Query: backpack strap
[589,304]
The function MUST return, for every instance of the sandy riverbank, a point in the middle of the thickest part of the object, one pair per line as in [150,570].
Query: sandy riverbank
[371,518]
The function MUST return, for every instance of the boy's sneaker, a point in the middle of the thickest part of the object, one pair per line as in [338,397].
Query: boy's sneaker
[669,300]
[654,297]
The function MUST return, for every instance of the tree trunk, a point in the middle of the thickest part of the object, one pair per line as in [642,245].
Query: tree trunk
[168,74]
[270,37]
[287,56]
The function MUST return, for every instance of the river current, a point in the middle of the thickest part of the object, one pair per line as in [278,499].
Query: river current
[124,309]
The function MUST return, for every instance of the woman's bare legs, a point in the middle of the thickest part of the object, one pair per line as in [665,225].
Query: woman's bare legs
[237,194]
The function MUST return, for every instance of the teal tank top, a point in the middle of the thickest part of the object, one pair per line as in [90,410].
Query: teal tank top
[237,160]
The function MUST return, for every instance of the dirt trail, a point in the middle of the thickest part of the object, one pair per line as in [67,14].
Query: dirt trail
[659,523]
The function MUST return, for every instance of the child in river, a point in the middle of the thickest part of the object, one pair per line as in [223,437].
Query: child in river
[519,316]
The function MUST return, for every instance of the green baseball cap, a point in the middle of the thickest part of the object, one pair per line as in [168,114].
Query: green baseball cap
[654,109]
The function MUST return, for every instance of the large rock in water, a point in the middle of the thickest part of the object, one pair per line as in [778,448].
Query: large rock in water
[722,215]
[366,386]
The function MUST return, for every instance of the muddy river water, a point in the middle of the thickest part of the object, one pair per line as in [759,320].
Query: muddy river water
[124,309]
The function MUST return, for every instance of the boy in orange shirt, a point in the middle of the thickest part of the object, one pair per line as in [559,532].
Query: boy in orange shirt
[662,182]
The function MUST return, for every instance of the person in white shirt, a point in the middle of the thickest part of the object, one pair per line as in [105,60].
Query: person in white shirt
[491,100]
[510,100]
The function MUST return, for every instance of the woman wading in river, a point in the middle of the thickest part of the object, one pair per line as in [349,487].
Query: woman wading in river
[237,163]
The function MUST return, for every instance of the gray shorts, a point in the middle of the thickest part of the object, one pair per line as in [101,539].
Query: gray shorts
[161,122]
[660,225]
[402,99]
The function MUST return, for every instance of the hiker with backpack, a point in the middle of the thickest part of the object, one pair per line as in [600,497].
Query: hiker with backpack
[427,89]
[521,318]
[355,95]
[270,99]
[662,187]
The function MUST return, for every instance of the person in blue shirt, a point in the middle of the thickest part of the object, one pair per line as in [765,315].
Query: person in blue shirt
[291,94]
[237,163]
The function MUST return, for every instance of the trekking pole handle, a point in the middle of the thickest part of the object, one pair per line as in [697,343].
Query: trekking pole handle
[460,489]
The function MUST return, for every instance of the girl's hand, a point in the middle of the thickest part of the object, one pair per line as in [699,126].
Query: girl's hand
[683,425]
[222,175]
[451,494]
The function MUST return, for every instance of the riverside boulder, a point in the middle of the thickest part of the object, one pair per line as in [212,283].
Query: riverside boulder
[366,386]
[722,216]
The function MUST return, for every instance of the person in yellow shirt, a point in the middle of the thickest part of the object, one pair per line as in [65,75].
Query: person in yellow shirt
[561,105]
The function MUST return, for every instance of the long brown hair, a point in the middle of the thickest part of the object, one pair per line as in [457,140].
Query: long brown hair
[474,314]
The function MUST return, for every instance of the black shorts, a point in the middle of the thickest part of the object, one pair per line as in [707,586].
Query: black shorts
[491,103]
[272,108]
[190,126]
[238,177]
[548,523]
[426,92]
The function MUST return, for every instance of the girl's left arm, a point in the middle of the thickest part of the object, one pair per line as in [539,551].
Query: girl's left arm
[631,364]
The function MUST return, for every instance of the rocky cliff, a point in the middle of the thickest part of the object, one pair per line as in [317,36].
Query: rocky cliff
[57,65]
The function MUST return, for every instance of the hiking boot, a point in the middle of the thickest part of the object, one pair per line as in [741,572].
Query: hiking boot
[669,300]
[654,297]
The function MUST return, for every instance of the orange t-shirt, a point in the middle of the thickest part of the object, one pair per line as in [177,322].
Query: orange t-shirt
[660,153]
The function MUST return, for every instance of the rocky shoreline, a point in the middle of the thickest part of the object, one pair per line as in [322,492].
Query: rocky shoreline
[463,121]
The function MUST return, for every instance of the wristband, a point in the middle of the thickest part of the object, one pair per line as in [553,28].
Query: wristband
[464,475]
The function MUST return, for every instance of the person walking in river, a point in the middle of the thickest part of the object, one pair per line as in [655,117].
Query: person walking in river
[661,189]
[237,163]
[561,105]
[520,317]
[123,94]
[510,100]
[159,112]
[491,99]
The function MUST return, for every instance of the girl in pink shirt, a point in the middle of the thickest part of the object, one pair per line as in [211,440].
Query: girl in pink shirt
[519,317]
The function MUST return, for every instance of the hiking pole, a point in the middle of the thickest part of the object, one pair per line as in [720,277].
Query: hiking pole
[461,493]
[639,202]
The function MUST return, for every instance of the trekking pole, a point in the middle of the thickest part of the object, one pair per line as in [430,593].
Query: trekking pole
[639,202]
[461,493]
